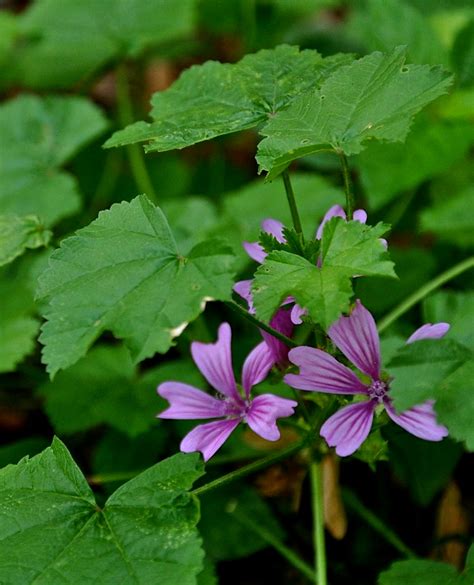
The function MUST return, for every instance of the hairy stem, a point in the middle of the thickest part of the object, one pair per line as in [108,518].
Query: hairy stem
[424,291]
[316,479]
[250,468]
[292,203]
[260,324]
[134,151]
[268,537]
[350,203]
[353,502]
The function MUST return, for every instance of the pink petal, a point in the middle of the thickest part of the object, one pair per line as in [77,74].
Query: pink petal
[281,321]
[296,313]
[334,211]
[255,251]
[256,367]
[360,215]
[275,228]
[208,438]
[263,413]
[215,362]
[320,372]
[419,421]
[356,336]
[187,402]
[244,289]
[348,428]
[429,331]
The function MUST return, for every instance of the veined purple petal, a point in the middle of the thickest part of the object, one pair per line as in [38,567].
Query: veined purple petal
[255,251]
[187,402]
[429,331]
[281,321]
[348,428]
[356,336]
[208,438]
[264,412]
[244,289]
[275,228]
[256,366]
[334,211]
[360,215]
[215,362]
[296,313]
[320,372]
[419,421]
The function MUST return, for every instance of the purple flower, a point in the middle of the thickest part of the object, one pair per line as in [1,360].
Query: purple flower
[275,228]
[357,338]
[214,360]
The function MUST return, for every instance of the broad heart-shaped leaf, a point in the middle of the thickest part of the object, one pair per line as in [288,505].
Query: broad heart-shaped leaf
[38,136]
[112,392]
[123,273]
[422,572]
[54,533]
[215,98]
[19,233]
[65,41]
[375,97]
[347,249]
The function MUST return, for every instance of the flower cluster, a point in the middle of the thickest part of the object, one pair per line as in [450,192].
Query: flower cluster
[355,336]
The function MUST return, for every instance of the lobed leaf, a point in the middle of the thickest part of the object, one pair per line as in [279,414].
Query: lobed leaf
[19,233]
[123,273]
[54,533]
[374,98]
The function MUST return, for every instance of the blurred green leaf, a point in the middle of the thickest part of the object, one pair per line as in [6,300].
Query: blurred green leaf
[19,233]
[455,308]
[49,510]
[374,98]
[64,41]
[219,98]
[462,55]
[39,135]
[191,220]
[347,249]
[452,219]
[123,273]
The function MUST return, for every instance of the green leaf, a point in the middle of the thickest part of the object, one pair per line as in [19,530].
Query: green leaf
[431,148]
[451,219]
[455,308]
[380,26]
[39,135]
[123,273]
[54,533]
[419,572]
[19,233]
[215,98]
[462,55]
[419,368]
[347,249]
[375,97]
[64,41]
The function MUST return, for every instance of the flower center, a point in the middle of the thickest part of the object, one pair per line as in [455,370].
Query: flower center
[378,390]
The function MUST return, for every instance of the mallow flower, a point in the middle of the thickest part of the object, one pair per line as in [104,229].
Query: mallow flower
[231,405]
[357,338]
[275,228]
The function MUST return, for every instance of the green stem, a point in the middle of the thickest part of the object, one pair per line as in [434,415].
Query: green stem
[350,203]
[250,468]
[292,203]
[107,182]
[271,539]
[315,473]
[353,502]
[244,313]
[424,291]
[135,154]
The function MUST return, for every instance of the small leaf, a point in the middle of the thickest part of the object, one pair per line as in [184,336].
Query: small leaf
[419,573]
[39,135]
[19,233]
[375,97]
[123,273]
[215,99]
[48,507]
